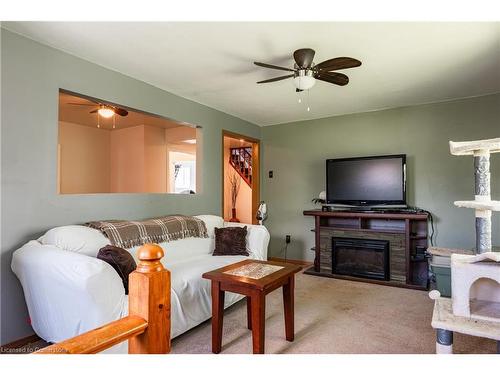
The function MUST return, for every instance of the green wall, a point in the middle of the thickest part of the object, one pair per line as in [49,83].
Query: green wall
[296,152]
[32,74]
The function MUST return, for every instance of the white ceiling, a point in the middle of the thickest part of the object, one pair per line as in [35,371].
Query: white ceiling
[211,63]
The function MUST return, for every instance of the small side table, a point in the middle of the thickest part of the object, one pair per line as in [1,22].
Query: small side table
[445,323]
[254,279]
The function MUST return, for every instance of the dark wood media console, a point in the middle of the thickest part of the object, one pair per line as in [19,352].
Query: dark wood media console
[403,232]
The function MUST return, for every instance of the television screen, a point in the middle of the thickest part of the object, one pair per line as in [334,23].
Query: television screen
[376,180]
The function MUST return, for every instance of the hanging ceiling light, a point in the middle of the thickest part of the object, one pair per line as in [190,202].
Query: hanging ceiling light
[106,112]
[304,79]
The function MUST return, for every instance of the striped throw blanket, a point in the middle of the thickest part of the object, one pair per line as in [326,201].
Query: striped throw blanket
[127,234]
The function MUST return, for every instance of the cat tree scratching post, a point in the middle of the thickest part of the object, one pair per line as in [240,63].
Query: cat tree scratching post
[474,308]
[482,202]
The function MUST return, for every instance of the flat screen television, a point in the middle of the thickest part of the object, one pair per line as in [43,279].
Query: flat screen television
[367,181]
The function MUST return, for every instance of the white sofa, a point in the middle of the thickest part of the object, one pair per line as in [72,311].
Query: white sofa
[69,291]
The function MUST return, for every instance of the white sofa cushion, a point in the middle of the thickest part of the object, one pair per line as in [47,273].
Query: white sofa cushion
[189,247]
[191,302]
[76,238]
[211,222]
[184,248]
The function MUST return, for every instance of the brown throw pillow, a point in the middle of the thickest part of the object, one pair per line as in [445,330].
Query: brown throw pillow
[120,260]
[231,241]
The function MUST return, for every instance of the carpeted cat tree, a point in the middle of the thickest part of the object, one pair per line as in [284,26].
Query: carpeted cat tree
[474,306]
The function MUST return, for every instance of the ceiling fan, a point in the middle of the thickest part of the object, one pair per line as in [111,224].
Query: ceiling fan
[305,72]
[105,110]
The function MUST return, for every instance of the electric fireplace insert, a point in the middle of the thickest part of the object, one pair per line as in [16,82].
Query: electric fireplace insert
[360,257]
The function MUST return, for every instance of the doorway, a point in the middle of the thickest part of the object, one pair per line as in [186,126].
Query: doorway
[240,177]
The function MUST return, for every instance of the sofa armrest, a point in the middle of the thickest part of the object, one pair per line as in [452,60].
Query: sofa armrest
[67,293]
[257,239]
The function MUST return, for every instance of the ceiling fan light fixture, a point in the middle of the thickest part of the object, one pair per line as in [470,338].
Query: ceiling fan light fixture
[304,80]
[306,72]
[106,112]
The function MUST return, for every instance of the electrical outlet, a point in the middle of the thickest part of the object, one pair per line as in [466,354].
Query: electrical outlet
[287,238]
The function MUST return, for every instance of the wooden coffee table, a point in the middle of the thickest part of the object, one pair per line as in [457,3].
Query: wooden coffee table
[254,279]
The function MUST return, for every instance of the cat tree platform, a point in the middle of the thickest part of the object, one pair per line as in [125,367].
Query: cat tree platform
[474,147]
[445,323]
[479,205]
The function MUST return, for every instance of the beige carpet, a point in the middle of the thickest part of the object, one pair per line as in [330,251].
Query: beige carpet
[336,316]
[331,316]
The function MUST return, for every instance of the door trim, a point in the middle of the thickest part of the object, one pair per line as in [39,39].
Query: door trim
[255,167]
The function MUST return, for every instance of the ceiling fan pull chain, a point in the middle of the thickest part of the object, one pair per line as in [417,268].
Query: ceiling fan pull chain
[98,124]
[308,108]
[114,123]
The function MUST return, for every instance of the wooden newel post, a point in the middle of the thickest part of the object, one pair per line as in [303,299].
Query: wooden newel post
[149,298]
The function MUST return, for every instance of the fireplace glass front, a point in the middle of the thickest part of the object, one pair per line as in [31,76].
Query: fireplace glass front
[360,257]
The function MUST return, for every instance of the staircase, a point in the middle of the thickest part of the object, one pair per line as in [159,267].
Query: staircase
[241,160]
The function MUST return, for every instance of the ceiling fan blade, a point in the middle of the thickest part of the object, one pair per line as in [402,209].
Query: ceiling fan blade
[332,77]
[273,66]
[94,111]
[338,63]
[276,79]
[304,57]
[120,111]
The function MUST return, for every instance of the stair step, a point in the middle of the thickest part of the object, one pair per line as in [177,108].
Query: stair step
[241,160]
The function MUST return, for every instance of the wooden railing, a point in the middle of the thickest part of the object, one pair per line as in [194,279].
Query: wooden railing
[147,327]
[241,160]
